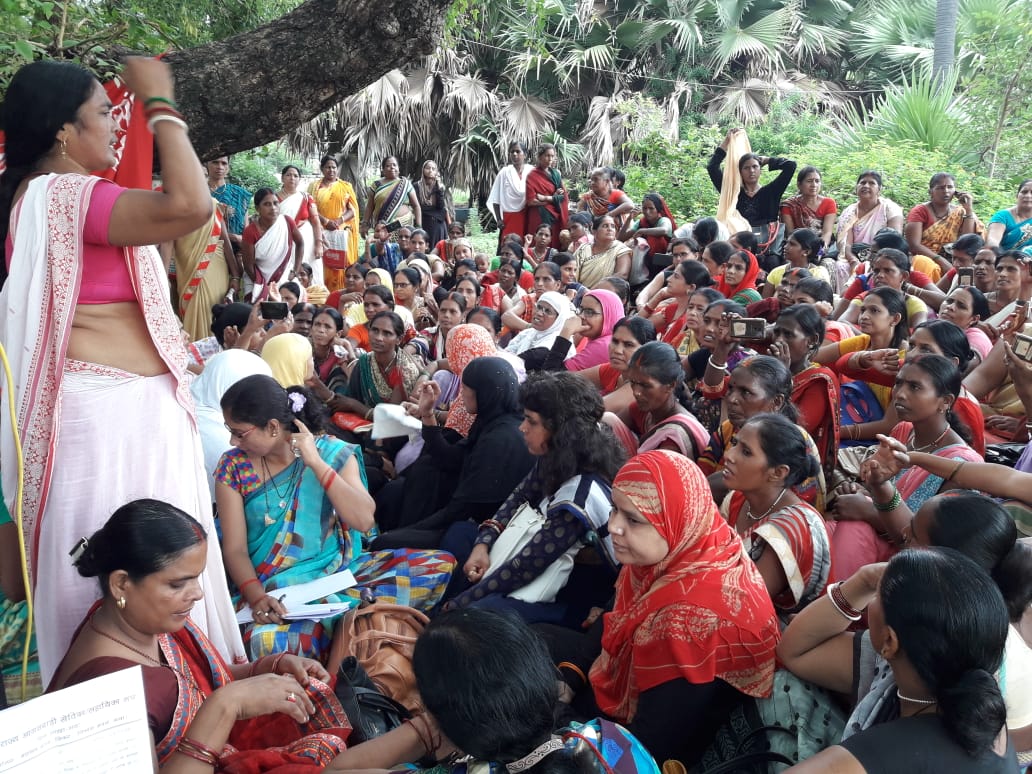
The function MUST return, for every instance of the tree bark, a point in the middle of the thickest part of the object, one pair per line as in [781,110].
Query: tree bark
[255,87]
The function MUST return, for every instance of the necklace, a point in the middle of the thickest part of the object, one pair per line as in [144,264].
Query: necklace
[936,214]
[766,513]
[219,189]
[925,702]
[932,445]
[288,487]
[126,645]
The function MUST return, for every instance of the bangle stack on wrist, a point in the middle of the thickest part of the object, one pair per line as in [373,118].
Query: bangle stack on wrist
[198,751]
[841,604]
[158,109]
[891,505]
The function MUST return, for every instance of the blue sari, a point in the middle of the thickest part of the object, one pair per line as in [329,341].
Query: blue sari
[294,535]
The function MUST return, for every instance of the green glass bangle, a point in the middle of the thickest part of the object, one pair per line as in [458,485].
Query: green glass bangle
[891,505]
[164,100]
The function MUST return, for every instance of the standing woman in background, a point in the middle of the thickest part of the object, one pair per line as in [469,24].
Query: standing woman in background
[433,203]
[300,207]
[508,197]
[338,215]
[393,200]
[547,200]
[78,274]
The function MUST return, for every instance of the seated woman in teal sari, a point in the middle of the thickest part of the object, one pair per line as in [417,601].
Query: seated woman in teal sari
[14,619]
[294,508]
[1011,229]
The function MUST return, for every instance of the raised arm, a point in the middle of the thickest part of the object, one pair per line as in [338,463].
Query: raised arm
[184,205]
[787,169]
[816,646]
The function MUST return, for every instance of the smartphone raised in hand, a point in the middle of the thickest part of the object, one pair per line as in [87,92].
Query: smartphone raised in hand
[274,310]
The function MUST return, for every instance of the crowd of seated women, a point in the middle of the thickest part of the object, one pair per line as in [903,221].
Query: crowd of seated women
[753,461]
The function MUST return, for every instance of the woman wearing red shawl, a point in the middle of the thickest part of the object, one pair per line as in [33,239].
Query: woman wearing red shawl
[656,226]
[739,279]
[692,626]
[547,200]
[276,714]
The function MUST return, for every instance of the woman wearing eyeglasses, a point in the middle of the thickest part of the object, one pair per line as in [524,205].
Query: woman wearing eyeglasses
[551,312]
[583,341]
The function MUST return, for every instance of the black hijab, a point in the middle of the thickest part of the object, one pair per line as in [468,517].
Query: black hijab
[494,382]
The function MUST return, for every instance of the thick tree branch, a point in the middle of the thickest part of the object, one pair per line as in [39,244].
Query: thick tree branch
[253,88]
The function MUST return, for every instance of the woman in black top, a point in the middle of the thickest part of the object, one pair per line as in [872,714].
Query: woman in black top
[758,204]
[940,622]
[458,478]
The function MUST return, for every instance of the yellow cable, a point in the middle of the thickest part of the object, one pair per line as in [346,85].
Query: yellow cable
[11,399]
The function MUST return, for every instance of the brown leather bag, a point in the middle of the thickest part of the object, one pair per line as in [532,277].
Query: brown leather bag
[382,637]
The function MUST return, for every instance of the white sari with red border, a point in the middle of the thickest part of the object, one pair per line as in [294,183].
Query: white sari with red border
[133,436]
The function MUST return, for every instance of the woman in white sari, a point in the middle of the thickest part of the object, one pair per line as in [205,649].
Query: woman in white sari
[268,243]
[100,392]
[508,198]
[300,207]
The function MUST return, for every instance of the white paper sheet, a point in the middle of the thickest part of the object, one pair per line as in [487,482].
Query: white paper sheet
[294,598]
[96,727]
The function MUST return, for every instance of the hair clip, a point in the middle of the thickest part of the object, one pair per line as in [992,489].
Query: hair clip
[79,549]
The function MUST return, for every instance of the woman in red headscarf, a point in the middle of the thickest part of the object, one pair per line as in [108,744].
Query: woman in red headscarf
[692,626]
[739,279]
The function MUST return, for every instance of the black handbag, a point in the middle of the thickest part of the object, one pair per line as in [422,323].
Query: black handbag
[371,713]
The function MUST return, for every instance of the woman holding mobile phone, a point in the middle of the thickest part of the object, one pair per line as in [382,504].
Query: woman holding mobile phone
[938,221]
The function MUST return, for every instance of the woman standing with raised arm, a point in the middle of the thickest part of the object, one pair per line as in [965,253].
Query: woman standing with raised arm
[758,204]
[78,274]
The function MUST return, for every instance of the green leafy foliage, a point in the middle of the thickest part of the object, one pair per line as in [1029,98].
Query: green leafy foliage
[260,168]
[677,169]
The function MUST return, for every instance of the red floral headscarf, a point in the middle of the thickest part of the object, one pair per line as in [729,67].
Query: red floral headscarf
[701,613]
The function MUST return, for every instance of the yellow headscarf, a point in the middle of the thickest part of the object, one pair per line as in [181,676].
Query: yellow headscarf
[383,276]
[289,355]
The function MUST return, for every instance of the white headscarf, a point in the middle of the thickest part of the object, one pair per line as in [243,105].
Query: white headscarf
[220,373]
[531,337]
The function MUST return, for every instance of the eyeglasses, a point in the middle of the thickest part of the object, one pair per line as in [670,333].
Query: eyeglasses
[402,284]
[589,313]
[545,309]
[238,434]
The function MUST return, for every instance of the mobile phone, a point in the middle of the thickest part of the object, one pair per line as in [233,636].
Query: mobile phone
[1023,347]
[965,276]
[339,351]
[661,260]
[394,225]
[274,310]
[753,328]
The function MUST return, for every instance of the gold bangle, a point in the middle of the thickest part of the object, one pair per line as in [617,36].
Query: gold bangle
[956,470]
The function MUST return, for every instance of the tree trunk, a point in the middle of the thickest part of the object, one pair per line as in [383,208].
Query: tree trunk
[255,87]
[945,39]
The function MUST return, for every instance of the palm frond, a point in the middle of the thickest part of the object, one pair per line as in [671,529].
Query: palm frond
[525,118]
[759,42]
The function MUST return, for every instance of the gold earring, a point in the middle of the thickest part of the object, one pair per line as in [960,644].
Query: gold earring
[64,149]
[121,603]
